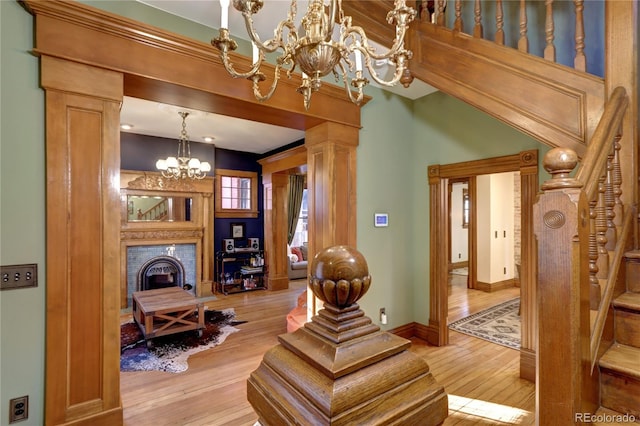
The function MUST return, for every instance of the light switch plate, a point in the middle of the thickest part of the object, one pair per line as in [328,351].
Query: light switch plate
[18,276]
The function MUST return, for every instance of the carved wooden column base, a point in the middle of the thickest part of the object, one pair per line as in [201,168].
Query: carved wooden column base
[340,369]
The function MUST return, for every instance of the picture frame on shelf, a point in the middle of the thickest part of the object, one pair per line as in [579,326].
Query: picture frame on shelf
[238,230]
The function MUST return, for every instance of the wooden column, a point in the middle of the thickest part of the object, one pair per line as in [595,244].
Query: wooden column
[331,178]
[275,229]
[83,262]
[437,333]
[528,269]
[331,193]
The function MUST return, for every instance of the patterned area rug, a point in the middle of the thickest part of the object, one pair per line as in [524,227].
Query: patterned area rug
[170,353]
[499,324]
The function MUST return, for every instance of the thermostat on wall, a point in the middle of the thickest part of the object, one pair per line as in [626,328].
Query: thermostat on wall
[380,219]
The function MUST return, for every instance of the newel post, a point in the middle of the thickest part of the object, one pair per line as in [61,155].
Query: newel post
[561,224]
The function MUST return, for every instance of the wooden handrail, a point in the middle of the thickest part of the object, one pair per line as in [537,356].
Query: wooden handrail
[595,158]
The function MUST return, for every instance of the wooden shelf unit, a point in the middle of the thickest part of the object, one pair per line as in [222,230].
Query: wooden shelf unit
[235,272]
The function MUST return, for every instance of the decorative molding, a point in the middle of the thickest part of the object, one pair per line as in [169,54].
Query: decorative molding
[169,235]
[499,285]
[528,364]
[407,331]
[154,181]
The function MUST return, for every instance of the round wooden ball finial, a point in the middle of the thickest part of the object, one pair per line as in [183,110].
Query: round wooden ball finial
[560,162]
[339,276]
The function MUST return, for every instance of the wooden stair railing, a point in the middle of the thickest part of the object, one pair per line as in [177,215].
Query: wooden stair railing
[559,105]
[489,24]
[156,212]
[583,230]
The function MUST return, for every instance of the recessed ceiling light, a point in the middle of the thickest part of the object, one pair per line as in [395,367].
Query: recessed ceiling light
[125,126]
[208,138]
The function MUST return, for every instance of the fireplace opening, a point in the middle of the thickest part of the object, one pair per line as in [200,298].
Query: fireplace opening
[162,272]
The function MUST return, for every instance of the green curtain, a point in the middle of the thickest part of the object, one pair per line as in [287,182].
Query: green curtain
[296,189]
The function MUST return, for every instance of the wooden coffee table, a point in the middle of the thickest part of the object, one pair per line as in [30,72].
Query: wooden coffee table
[165,311]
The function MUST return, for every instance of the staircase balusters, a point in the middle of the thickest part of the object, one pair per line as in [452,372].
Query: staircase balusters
[609,203]
[594,283]
[505,11]
[617,181]
[458,24]
[550,49]
[477,13]
[442,4]
[601,231]
[580,61]
[523,41]
[499,23]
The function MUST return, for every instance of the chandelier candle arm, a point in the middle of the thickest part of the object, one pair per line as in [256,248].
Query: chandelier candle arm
[314,50]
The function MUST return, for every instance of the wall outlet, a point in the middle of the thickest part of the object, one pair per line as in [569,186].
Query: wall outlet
[383,316]
[18,276]
[18,409]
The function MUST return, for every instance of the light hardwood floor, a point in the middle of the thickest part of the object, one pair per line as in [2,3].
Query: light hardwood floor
[481,378]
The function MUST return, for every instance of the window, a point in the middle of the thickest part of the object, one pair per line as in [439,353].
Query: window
[465,208]
[236,193]
[302,235]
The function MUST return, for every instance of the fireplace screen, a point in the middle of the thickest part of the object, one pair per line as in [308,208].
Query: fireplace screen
[161,272]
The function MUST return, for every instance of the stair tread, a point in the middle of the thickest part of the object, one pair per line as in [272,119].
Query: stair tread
[622,359]
[628,300]
[633,254]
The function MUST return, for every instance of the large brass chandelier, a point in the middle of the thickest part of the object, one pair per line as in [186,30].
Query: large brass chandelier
[314,49]
[183,166]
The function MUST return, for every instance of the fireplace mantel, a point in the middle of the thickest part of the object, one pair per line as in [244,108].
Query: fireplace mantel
[198,229]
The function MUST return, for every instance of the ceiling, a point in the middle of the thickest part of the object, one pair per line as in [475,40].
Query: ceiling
[161,120]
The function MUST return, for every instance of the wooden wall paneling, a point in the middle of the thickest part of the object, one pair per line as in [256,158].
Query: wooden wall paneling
[275,229]
[560,109]
[83,204]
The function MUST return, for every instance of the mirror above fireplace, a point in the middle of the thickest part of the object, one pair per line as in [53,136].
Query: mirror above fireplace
[158,208]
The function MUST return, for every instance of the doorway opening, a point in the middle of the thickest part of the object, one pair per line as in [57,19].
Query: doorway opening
[495,242]
[526,163]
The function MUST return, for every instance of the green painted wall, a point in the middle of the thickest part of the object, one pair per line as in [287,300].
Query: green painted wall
[399,139]
[446,130]
[22,213]
[384,186]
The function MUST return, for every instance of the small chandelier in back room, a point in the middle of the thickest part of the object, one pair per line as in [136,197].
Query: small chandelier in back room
[315,50]
[183,166]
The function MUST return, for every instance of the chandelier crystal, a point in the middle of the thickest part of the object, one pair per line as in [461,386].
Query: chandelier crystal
[183,166]
[315,50]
